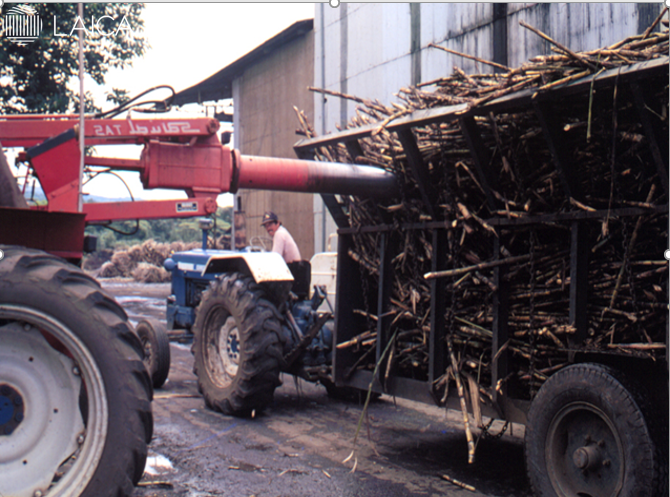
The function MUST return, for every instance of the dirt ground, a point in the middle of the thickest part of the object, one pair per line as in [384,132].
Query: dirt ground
[299,445]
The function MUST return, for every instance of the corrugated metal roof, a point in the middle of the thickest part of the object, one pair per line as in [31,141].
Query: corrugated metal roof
[220,85]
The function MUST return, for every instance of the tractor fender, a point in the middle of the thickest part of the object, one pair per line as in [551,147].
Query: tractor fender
[262,266]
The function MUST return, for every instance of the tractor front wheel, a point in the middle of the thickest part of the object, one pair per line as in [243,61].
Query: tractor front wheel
[237,346]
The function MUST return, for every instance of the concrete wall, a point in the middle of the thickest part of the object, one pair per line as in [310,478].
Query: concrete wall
[372,50]
[265,125]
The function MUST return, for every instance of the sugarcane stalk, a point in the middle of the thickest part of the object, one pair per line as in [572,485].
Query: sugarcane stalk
[648,31]
[459,483]
[450,273]
[464,407]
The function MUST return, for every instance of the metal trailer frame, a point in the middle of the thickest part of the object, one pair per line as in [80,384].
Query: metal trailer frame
[349,288]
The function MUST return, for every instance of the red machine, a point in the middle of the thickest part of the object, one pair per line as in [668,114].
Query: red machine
[182,154]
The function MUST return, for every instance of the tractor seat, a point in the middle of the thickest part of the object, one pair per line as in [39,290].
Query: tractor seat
[302,275]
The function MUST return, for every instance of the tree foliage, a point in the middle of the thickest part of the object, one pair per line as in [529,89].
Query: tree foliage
[34,76]
[128,233]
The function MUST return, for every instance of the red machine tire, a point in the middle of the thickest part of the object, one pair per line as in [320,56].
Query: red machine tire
[237,346]
[81,332]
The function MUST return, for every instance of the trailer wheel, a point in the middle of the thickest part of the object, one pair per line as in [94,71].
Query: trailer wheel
[156,343]
[587,436]
[75,412]
[237,346]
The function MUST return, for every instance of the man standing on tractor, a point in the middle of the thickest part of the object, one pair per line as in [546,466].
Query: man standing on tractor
[282,241]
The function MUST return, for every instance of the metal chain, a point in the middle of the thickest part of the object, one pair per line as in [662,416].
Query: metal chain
[488,435]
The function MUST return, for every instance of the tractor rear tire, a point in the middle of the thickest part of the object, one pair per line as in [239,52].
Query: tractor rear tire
[237,344]
[75,413]
[156,343]
[587,435]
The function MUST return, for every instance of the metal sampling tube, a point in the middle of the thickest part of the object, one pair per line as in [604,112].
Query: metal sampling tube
[295,175]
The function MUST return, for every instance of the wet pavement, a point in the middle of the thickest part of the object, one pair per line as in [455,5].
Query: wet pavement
[300,446]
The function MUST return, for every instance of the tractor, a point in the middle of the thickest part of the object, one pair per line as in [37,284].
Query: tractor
[250,317]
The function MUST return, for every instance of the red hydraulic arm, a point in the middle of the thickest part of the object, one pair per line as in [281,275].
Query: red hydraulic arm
[181,154]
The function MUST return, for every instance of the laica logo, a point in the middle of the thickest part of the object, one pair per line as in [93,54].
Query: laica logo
[103,26]
[22,25]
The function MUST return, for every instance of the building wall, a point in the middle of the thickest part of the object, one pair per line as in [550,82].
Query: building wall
[371,50]
[265,125]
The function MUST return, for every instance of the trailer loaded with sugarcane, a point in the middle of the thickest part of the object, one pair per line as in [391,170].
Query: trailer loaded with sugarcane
[520,272]
[501,244]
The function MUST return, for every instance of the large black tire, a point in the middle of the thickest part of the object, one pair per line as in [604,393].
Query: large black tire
[587,435]
[237,344]
[73,367]
[156,344]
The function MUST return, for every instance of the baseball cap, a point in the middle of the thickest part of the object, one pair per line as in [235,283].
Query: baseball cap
[269,217]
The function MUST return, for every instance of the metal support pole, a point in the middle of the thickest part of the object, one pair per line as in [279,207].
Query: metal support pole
[82,108]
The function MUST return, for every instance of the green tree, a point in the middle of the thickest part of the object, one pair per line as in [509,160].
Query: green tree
[128,233]
[34,77]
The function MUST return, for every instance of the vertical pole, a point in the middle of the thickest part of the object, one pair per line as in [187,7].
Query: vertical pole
[579,273]
[82,131]
[236,199]
[323,112]
[415,41]
[383,296]
[437,342]
[204,239]
[500,35]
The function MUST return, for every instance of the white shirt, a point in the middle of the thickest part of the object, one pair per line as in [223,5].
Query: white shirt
[283,244]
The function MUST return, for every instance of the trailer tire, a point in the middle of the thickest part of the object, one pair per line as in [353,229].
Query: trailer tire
[237,344]
[587,434]
[72,366]
[156,344]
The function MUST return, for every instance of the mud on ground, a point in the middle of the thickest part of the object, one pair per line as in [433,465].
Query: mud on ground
[297,446]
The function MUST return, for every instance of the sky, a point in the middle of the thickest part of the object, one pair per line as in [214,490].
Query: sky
[189,42]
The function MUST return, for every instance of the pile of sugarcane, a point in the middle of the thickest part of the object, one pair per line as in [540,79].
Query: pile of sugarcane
[144,262]
[627,290]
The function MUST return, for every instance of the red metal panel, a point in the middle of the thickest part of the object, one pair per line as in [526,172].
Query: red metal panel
[58,172]
[148,209]
[155,128]
[27,131]
[58,233]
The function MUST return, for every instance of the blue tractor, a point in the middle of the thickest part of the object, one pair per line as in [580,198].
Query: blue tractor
[251,317]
